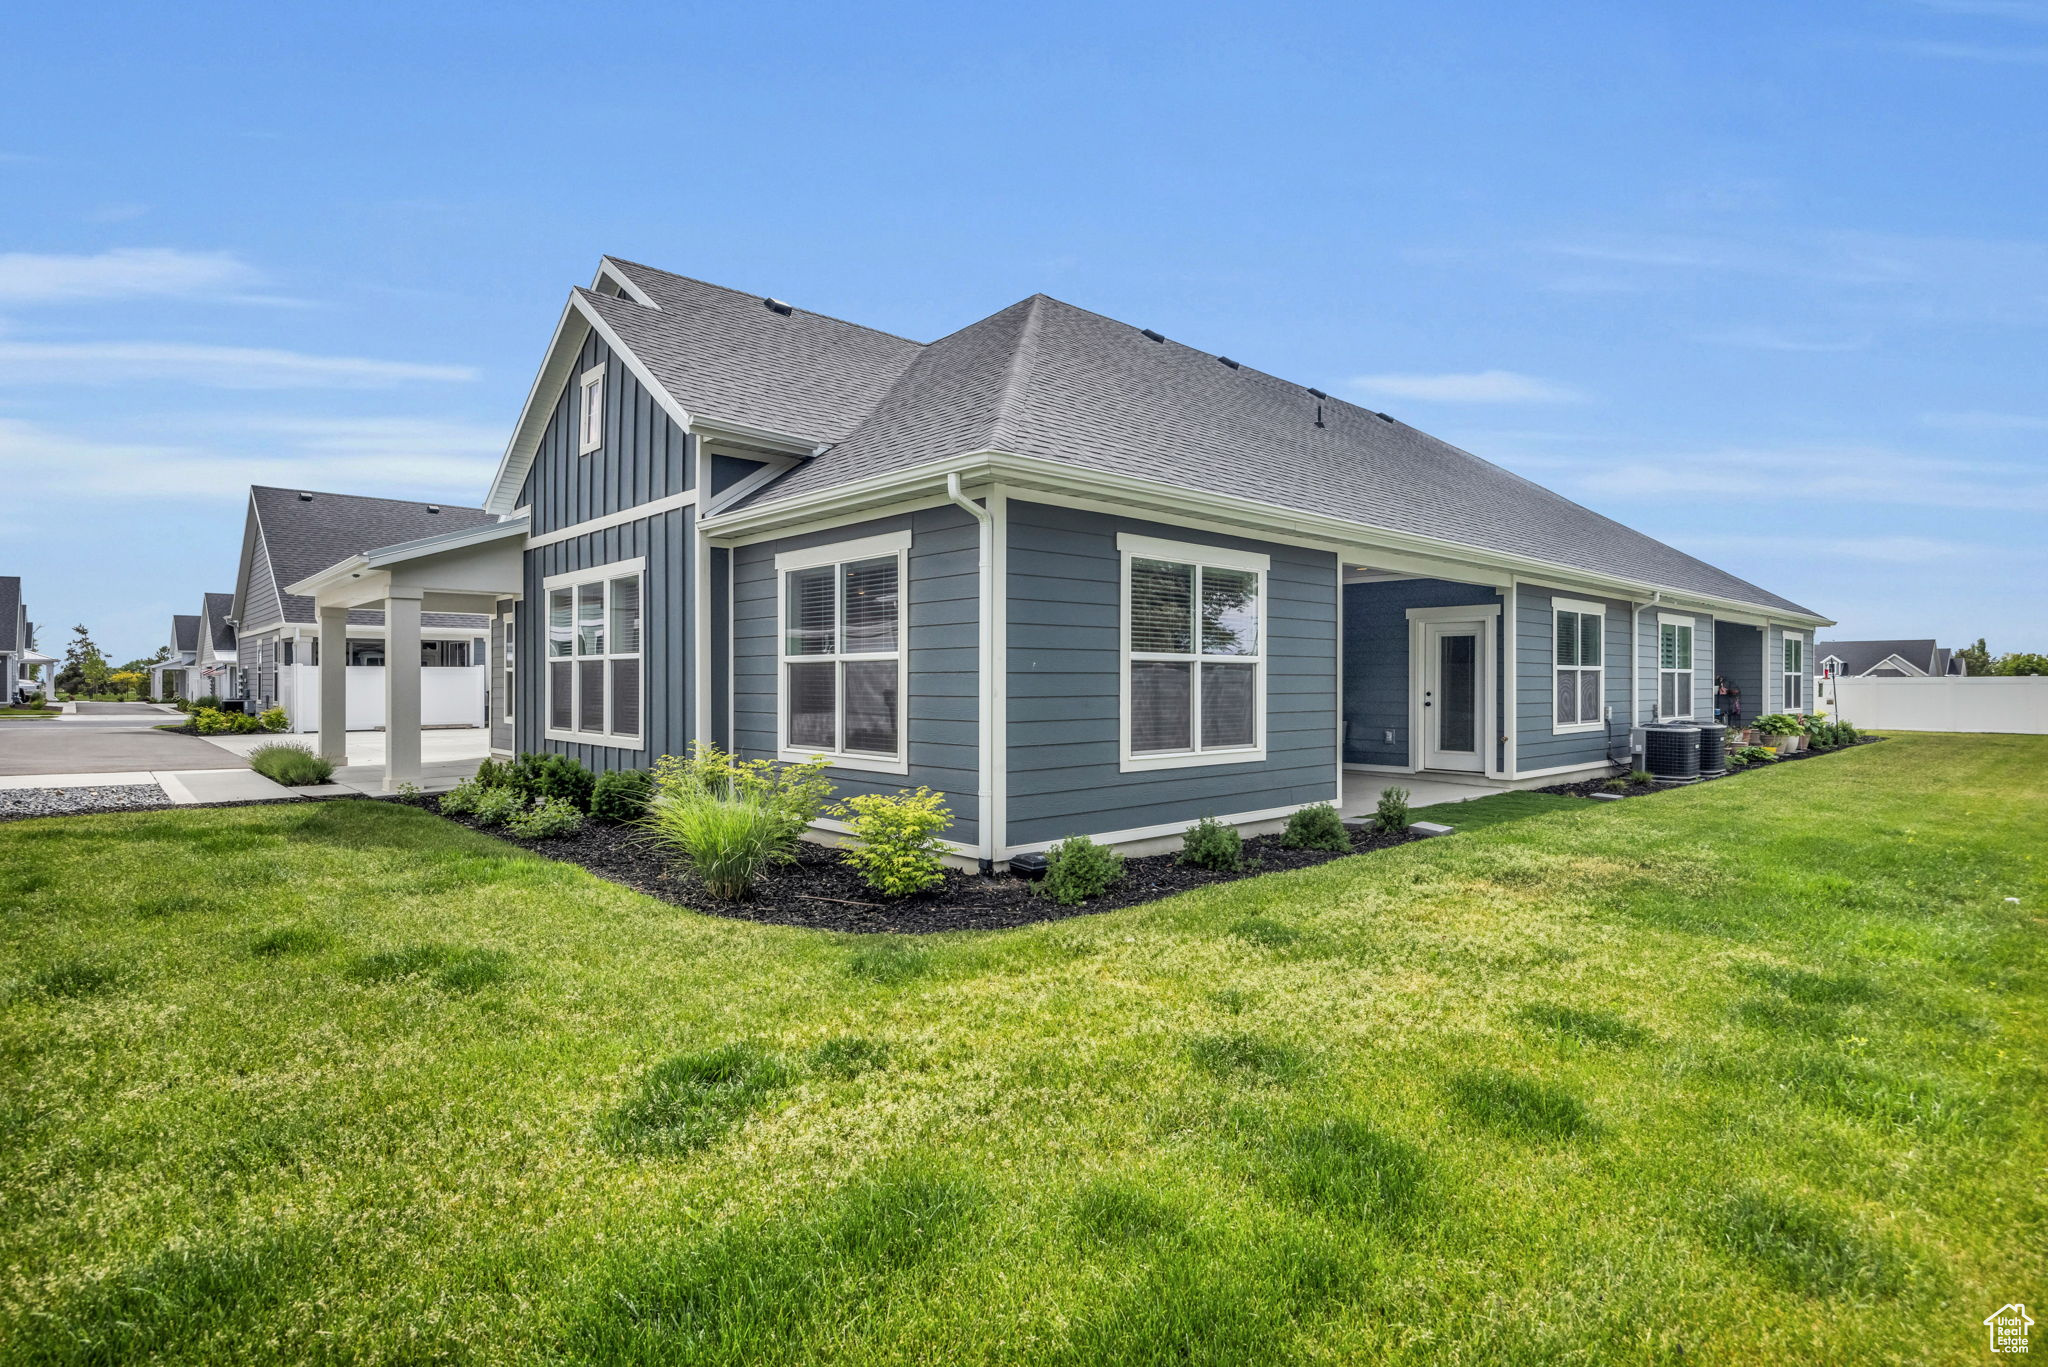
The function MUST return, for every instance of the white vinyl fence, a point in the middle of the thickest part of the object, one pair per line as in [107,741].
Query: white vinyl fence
[448,697]
[2018,705]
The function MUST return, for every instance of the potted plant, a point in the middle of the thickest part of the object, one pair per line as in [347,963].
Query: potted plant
[1782,732]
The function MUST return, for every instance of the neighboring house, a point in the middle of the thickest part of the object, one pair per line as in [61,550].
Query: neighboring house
[217,670]
[1886,659]
[177,676]
[19,658]
[277,640]
[1077,576]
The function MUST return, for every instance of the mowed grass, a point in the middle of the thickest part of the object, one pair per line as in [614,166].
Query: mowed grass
[1481,812]
[1747,1072]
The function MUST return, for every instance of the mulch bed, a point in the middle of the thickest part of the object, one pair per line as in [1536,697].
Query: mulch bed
[1589,787]
[821,892]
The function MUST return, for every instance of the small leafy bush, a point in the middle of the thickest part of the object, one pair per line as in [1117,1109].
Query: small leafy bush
[621,795]
[1753,754]
[461,800]
[496,806]
[213,722]
[272,719]
[1316,828]
[1614,785]
[493,773]
[896,847]
[796,793]
[1735,761]
[1780,724]
[725,841]
[1209,844]
[1392,813]
[1641,778]
[294,766]
[539,778]
[545,819]
[1077,869]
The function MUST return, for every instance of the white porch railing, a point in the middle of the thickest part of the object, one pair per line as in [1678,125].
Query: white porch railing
[448,697]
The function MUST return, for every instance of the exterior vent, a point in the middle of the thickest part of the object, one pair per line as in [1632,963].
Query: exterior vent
[1227,361]
[1384,417]
[1319,393]
[433,507]
[1155,336]
[1713,749]
[1672,753]
[777,306]
[305,497]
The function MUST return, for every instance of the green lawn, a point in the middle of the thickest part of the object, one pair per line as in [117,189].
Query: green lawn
[1752,1071]
[1481,812]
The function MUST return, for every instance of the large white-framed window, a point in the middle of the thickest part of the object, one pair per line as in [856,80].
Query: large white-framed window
[1194,654]
[840,622]
[1795,674]
[590,410]
[1579,665]
[1674,667]
[595,685]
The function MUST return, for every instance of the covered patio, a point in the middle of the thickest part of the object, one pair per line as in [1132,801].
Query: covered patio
[472,571]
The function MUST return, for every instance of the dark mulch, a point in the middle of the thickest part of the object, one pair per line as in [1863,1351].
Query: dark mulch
[1599,785]
[821,892]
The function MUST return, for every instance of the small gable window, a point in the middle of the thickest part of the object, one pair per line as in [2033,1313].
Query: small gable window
[590,410]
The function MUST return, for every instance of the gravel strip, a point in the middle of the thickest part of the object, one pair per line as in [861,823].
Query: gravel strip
[121,797]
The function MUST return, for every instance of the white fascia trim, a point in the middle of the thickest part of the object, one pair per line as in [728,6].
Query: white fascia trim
[1472,613]
[610,570]
[1222,557]
[608,269]
[447,541]
[773,467]
[861,548]
[1908,666]
[1558,604]
[652,508]
[338,573]
[825,522]
[1678,619]
[1167,828]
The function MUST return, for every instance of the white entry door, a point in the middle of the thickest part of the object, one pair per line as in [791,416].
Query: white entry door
[1451,699]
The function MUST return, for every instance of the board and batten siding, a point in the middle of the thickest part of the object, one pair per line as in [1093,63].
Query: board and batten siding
[1376,665]
[942,688]
[1650,654]
[645,456]
[1537,745]
[1065,577]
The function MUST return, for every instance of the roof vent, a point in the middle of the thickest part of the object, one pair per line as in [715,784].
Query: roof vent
[777,306]
[305,497]
[1155,336]
[1319,393]
[433,507]
[1227,361]
[1384,417]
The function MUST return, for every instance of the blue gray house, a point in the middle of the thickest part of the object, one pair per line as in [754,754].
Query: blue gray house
[1076,575]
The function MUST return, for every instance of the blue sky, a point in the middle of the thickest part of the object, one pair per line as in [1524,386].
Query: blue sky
[1769,282]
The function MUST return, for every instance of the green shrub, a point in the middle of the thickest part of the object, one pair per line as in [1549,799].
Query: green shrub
[495,806]
[1641,778]
[1316,828]
[621,795]
[213,722]
[493,773]
[538,778]
[1077,869]
[725,841]
[462,799]
[795,793]
[272,719]
[1753,754]
[896,845]
[1615,785]
[1780,724]
[1209,844]
[544,819]
[294,766]
[1392,813]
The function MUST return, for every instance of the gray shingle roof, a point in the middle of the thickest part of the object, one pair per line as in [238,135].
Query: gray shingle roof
[305,536]
[10,612]
[727,357]
[185,632]
[1859,657]
[1046,379]
[220,607]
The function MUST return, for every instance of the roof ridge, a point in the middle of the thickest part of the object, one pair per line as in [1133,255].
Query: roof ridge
[1017,369]
[295,490]
[748,294]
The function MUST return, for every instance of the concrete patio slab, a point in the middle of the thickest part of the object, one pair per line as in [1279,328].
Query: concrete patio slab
[224,785]
[447,756]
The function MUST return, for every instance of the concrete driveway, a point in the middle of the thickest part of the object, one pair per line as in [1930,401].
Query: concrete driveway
[62,746]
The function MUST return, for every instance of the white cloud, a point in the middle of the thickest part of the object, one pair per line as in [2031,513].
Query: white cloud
[124,272]
[1831,475]
[220,367]
[1771,339]
[1484,386]
[1890,550]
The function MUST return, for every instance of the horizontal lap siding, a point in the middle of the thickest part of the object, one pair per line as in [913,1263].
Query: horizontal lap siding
[1376,661]
[942,675]
[645,456]
[1537,746]
[1065,578]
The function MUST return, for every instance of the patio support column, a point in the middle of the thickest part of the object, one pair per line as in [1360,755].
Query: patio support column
[334,685]
[401,688]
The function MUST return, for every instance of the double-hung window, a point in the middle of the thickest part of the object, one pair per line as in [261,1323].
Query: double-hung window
[1674,667]
[1795,674]
[593,655]
[841,664]
[590,410]
[1194,676]
[1580,668]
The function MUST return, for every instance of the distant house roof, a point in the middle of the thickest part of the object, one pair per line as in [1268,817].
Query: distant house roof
[219,607]
[11,626]
[306,531]
[185,633]
[1864,657]
[1046,379]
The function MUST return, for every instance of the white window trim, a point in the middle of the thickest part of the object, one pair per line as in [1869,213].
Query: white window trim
[1485,616]
[1677,619]
[1131,547]
[895,544]
[569,579]
[1559,605]
[508,664]
[1803,673]
[590,416]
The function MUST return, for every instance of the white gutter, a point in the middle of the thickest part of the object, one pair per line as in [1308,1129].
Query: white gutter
[986,709]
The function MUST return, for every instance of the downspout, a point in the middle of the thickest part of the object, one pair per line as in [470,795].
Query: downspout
[1635,667]
[1510,685]
[986,709]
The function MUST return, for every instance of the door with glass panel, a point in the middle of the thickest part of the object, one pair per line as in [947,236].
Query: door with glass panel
[1450,696]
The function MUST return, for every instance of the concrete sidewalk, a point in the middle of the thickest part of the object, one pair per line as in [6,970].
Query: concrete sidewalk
[186,788]
[448,755]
